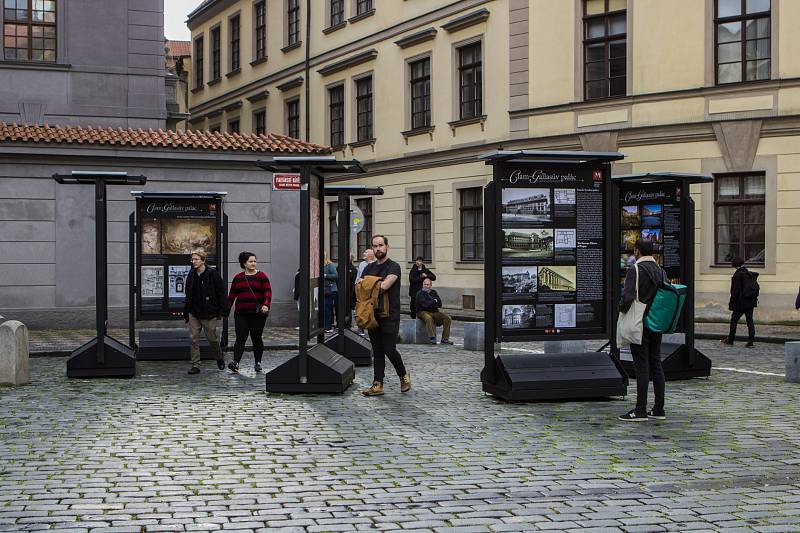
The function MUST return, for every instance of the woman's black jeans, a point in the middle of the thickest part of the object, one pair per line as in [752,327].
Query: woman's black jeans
[647,362]
[251,324]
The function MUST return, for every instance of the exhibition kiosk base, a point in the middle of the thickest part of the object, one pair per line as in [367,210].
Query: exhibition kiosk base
[674,360]
[169,345]
[326,372]
[118,360]
[561,376]
[356,348]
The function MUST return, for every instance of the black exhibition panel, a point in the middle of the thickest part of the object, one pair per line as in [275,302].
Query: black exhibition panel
[103,356]
[657,206]
[547,273]
[316,368]
[345,341]
[165,227]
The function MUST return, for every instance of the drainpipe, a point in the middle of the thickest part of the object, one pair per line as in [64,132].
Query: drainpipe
[308,69]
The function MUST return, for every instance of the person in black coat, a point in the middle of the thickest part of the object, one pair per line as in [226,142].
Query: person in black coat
[419,273]
[744,298]
[203,306]
[647,355]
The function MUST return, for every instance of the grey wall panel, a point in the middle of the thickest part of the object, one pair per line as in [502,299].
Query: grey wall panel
[143,32]
[118,232]
[11,187]
[285,245]
[27,297]
[146,5]
[23,209]
[22,231]
[146,18]
[27,252]
[138,46]
[249,232]
[74,246]
[27,274]
[118,253]
[92,90]
[246,212]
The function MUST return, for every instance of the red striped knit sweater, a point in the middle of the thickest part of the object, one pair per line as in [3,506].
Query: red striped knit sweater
[249,292]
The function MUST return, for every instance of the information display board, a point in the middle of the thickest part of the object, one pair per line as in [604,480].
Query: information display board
[170,228]
[315,245]
[552,240]
[653,212]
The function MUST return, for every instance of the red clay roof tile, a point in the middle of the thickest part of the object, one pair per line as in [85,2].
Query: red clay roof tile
[202,140]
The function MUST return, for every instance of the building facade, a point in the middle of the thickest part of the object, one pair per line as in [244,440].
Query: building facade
[81,62]
[417,90]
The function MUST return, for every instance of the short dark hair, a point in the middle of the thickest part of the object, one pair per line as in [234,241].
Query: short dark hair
[244,256]
[419,258]
[644,246]
[737,261]
[385,240]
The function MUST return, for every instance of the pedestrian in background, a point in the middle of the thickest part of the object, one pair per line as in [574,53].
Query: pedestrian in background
[429,309]
[647,355]
[419,273]
[252,294]
[202,308]
[368,257]
[744,299]
[331,292]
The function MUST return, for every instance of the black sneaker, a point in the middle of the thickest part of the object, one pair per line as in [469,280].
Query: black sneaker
[631,416]
[749,345]
[234,367]
[432,340]
[726,341]
[446,341]
[194,370]
[657,415]
[257,367]
[221,364]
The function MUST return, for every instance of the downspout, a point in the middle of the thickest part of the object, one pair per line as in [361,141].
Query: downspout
[308,69]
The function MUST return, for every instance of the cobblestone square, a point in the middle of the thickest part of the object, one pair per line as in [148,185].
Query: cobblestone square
[171,452]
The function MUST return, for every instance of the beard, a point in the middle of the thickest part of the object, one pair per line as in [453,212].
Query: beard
[380,254]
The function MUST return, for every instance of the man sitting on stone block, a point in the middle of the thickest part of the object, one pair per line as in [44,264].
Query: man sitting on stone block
[428,306]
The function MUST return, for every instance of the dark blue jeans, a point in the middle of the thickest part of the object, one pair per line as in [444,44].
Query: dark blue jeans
[330,308]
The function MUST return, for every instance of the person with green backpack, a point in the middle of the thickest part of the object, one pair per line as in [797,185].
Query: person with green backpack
[642,283]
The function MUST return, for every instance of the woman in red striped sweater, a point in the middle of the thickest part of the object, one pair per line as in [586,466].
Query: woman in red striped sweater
[252,292]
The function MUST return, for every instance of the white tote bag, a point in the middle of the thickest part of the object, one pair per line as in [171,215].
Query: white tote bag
[629,325]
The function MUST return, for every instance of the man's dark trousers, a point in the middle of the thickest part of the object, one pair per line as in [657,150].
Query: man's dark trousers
[384,343]
[647,362]
[751,329]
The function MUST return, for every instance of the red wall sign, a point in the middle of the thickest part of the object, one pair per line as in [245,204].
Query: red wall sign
[285,182]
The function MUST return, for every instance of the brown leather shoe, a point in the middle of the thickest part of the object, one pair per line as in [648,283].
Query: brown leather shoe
[375,390]
[405,383]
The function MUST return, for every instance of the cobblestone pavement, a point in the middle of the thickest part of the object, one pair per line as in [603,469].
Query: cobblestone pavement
[171,452]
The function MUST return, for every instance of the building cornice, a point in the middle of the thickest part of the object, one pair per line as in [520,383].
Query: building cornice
[352,61]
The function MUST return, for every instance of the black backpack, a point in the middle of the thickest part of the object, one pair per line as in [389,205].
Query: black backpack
[750,289]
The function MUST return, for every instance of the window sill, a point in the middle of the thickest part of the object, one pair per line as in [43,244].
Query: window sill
[290,47]
[233,73]
[418,131]
[480,119]
[468,265]
[339,148]
[198,89]
[34,65]
[258,61]
[365,142]
[746,265]
[215,81]
[362,16]
[331,29]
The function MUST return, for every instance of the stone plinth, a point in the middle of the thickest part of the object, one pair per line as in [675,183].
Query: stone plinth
[792,350]
[14,353]
[564,346]
[474,336]
[412,331]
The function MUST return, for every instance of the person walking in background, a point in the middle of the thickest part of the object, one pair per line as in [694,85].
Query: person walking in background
[296,292]
[331,292]
[351,291]
[203,306]
[744,298]
[368,257]
[429,306]
[647,355]
[419,272]
[252,294]
[384,337]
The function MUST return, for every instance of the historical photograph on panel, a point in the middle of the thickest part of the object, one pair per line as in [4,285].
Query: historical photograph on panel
[519,316]
[626,260]
[629,238]
[519,281]
[183,236]
[557,279]
[651,215]
[659,259]
[528,244]
[630,216]
[564,241]
[152,282]
[565,315]
[653,235]
[523,206]
[177,281]
[151,237]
